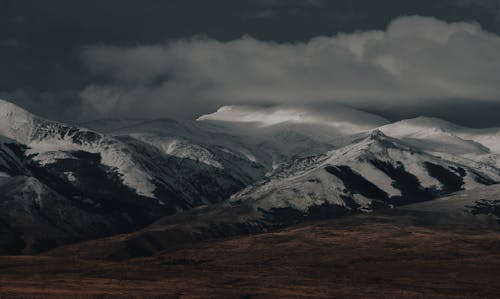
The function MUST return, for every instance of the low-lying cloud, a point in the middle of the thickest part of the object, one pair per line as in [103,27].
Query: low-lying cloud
[416,59]
[340,118]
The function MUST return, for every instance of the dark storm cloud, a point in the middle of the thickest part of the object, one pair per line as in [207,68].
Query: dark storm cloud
[416,59]
[41,41]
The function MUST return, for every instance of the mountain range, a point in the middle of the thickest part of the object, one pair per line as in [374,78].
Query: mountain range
[239,170]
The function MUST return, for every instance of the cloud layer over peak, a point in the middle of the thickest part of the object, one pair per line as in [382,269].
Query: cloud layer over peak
[414,59]
[342,119]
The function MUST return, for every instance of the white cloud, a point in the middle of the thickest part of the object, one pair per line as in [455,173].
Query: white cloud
[414,59]
[342,119]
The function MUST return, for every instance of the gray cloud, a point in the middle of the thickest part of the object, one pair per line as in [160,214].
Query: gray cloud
[414,59]
[64,105]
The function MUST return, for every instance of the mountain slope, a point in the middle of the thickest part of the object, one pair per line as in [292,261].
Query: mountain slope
[35,218]
[375,171]
[129,182]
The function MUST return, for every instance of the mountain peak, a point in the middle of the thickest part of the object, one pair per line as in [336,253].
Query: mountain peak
[9,109]
[377,134]
[15,122]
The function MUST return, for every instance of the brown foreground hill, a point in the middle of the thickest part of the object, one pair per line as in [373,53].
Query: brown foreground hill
[364,256]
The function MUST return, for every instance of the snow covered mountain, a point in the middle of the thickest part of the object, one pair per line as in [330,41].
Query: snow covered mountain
[399,163]
[143,163]
[256,168]
[374,171]
[127,180]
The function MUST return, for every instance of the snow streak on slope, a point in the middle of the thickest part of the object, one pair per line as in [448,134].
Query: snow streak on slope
[180,148]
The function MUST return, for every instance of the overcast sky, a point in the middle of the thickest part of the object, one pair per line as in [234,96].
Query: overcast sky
[81,60]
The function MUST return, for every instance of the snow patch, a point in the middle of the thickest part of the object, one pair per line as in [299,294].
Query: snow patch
[180,148]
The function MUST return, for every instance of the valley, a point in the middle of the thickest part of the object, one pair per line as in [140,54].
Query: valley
[365,256]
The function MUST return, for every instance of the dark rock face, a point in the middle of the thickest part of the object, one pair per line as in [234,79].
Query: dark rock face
[357,183]
[450,180]
[12,159]
[407,183]
[486,207]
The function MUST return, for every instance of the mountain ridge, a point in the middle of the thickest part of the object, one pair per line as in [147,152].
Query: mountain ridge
[235,178]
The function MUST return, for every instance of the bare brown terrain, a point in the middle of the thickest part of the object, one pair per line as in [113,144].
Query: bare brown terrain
[358,257]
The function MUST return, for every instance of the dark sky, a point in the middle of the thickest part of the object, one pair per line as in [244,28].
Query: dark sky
[41,42]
